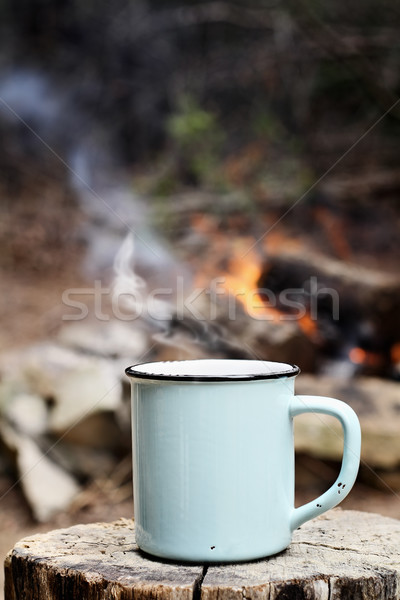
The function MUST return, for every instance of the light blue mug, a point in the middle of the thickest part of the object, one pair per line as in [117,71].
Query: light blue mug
[213,458]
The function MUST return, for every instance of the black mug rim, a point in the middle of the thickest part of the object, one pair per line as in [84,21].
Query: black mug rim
[135,372]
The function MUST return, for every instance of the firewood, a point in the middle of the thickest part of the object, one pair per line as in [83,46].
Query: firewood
[352,305]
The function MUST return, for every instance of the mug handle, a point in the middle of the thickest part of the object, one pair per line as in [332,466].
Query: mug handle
[351,454]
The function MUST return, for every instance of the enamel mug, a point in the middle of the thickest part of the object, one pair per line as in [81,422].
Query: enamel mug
[213,458]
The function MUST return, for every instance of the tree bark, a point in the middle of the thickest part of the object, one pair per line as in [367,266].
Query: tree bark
[341,555]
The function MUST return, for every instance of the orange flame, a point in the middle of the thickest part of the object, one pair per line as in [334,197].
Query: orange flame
[242,269]
[308,325]
[242,282]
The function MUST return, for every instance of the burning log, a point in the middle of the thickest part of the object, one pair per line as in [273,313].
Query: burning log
[236,334]
[200,337]
[353,307]
[223,316]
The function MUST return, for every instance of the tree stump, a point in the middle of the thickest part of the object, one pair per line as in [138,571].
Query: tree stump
[341,555]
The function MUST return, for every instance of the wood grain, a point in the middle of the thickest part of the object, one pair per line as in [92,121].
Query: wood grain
[343,555]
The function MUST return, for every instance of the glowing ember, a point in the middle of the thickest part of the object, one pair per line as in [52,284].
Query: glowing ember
[358,356]
[395,353]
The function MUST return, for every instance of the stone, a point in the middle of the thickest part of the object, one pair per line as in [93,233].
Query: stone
[78,393]
[47,487]
[28,413]
[77,385]
[377,404]
[108,338]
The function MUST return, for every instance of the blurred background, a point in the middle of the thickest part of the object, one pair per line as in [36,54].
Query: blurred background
[256,144]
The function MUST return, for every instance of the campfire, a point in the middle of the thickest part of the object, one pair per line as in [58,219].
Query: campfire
[237,291]
[270,297]
[277,297]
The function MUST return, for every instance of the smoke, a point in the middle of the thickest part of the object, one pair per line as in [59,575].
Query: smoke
[131,290]
[42,123]
[166,319]
[46,121]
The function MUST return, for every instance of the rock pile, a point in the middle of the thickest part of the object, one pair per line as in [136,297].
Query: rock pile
[65,412]
[65,409]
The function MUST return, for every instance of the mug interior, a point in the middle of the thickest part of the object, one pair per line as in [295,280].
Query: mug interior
[219,369]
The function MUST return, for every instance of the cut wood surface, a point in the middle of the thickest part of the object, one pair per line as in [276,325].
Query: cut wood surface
[341,555]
